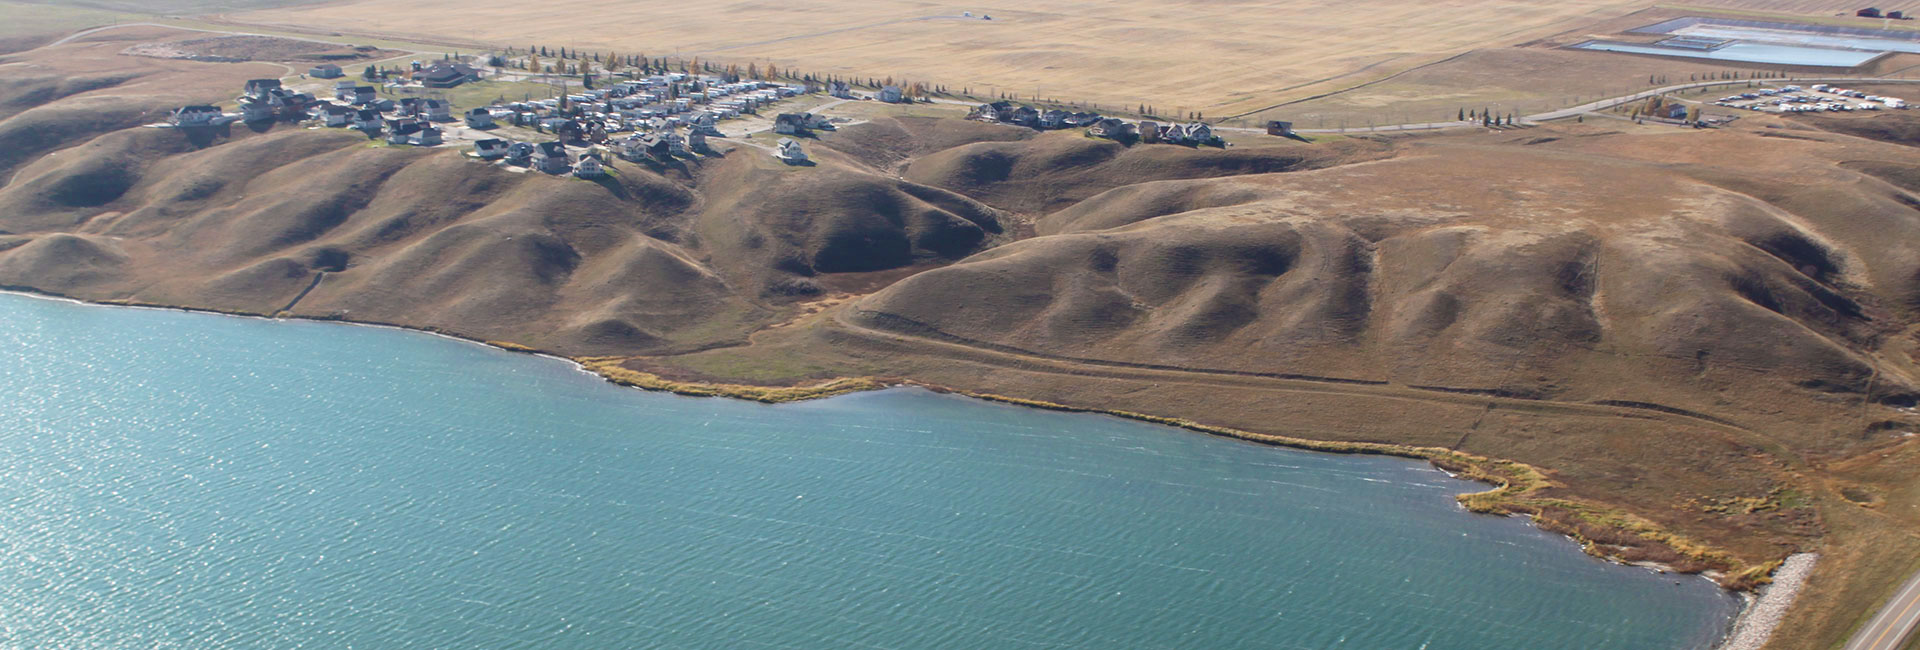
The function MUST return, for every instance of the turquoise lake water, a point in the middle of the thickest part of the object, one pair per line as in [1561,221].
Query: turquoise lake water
[176,480]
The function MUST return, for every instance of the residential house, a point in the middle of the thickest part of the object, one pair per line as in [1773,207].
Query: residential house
[999,111]
[571,131]
[335,115]
[520,153]
[591,164]
[260,87]
[1197,133]
[1053,119]
[256,111]
[1869,12]
[1081,119]
[343,89]
[1149,131]
[479,118]
[550,157]
[696,140]
[326,71]
[402,131]
[364,95]
[437,110]
[291,105]
[1110,128]
[1026,116]
[411,106]
[840,89]
[196,115]
[491,148]
[446,75]
[789,152]
[800,123]
[367,119]
[428,136]
[1279,127]
[891,95]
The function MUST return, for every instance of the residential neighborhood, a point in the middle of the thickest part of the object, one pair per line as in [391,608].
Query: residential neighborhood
[656,118]
[1112,128]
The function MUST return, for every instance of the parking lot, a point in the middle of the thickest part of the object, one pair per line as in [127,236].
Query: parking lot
[1810,99]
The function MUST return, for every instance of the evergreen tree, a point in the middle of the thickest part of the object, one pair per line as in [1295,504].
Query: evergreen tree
[1463,115]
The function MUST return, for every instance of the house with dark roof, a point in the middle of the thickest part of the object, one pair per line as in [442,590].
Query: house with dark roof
[551,157]
[367,119]
[326,71]
[402,131]
[789,152]
[260,87]
[446,75]
[335,115]
[479,118]
[491,148]
[437,110]
[196,115]
[520,153]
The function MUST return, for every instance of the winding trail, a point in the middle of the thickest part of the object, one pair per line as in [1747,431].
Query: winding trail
[1027,360]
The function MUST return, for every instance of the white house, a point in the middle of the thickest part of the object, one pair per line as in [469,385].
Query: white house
[550,157]
[891,95]
[491,148]
[256,111]
[402,131]
[367,119]
[480,118]
[326,71]
[198,115]
[588,167]
[437,110]
[335,115]
[790,152]
[428,136]
[696,140]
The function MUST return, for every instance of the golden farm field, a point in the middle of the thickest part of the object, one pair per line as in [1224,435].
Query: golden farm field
[1216,57]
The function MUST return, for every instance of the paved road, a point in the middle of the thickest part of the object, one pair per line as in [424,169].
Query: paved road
[1588,107]
[1895,623]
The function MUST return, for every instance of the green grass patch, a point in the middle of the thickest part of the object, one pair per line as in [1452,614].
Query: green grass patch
[29,18]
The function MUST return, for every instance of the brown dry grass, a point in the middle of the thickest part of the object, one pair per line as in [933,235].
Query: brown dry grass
[1216,58]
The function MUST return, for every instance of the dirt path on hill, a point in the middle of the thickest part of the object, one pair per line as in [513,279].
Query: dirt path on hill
[992,354]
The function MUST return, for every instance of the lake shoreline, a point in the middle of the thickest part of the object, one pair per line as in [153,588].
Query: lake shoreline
[1514,483]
